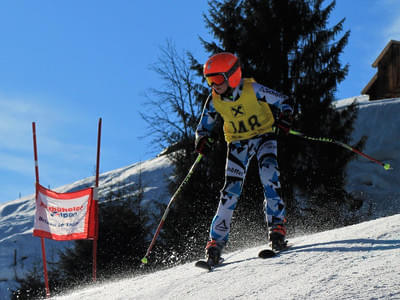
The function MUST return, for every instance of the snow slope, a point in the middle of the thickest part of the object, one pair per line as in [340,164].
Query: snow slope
[355,262]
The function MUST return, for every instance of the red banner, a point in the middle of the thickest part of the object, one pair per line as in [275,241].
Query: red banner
[65,216]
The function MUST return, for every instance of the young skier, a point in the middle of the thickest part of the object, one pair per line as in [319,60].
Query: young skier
[247,109]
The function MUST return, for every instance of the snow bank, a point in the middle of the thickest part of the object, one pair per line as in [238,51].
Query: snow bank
[379,121]
[355,262]
[348,101]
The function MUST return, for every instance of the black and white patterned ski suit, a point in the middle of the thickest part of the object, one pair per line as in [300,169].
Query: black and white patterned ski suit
[262,146]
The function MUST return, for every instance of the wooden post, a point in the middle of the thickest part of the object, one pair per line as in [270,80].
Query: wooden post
[46,278]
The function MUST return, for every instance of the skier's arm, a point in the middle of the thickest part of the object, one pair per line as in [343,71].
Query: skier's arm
[277,101]
[280,106]
[206,124]
[207,120]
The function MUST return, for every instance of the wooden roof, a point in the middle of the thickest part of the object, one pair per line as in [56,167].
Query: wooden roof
[375,65]
[387,47]
[370,83]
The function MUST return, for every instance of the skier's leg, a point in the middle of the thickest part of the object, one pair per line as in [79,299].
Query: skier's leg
[235,172]
[274,207]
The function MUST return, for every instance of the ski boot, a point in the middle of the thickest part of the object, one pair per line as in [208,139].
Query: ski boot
[277,236]
[213,252]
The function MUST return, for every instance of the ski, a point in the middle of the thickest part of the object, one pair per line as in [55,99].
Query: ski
[268,253]
[207,265]
[264,253]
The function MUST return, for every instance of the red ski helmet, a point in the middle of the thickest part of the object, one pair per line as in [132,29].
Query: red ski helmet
[223,67]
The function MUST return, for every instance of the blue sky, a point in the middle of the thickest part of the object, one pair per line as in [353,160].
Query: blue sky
[64,64]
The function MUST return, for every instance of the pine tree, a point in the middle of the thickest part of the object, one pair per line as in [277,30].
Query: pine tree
[286,45]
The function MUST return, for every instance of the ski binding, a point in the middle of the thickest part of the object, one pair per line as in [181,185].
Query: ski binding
[268,253]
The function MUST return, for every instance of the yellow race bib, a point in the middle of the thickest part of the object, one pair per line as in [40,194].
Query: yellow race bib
[246,117]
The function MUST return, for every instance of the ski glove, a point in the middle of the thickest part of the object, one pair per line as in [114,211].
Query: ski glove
[284,122]
[203,144]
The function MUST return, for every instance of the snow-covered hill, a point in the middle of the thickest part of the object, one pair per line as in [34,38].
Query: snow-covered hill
[19,250]
[381,189]
[355,262]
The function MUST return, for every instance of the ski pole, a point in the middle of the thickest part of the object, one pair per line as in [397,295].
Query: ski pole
[153,241]
[329,140]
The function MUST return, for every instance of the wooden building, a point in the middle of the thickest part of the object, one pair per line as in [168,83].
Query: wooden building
[386,82]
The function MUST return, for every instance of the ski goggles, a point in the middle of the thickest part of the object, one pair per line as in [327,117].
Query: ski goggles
[220,77]
[216,78]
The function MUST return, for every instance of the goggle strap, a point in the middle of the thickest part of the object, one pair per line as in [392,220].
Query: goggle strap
[216,74]
[233,69]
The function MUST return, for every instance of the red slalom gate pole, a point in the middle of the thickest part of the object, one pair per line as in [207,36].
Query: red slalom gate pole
[35,152]
[94,270]
[46,277]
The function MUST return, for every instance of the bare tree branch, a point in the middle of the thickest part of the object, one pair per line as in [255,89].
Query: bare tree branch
[173,110]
